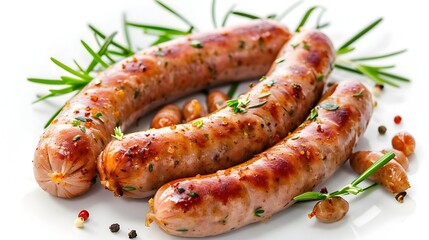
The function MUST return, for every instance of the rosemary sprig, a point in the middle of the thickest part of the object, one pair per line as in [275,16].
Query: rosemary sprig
[355,65]
[191,26]
[227,14]
[126,31]
[125,51]
[158,30]
[80,76]
[305,18]
[282,15]
[351,188]
[232,90]
[214,13]
[245,15]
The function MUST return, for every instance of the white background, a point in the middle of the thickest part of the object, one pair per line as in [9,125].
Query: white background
[33,31]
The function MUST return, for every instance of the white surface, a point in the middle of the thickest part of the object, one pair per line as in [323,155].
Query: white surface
[33,31]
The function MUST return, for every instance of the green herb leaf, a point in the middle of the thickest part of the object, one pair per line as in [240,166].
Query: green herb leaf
[258,211]
[182,230]
[160,30]
[193,194]
[101,52]
[198,123]
[374,167]
[305,18]
[320,77]
[97,58]
[196,44]
[313,114]
[245,15]
[238,105]
[126,32]
[359,35]
[71,70]
[359,94]
[128,188]
[82,128]
[351,188]
[282,15]
[75,138]
[379,56]
[271,83]
[279,60]
[227,14]
[294,45]
[264,95]
[118,135]
[137,93]
[310,196]
[98,116]
[80,118]
[307,46]
[175,13]
[232,90]
[214,13]
[257,104]
[329,106]
[150,167]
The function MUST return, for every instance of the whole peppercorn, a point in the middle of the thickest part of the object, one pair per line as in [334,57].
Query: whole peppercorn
[397,119]
[114,227]
[382,129]
[132,234]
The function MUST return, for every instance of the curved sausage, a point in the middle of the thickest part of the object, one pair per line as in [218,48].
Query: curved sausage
[266,184]
[167,116]
[216,100]
[392,176]
[65,157]
[142,162]
[193,109]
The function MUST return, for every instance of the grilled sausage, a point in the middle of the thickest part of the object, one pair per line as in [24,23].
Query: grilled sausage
[392,176]
[266,184]
[167,116]
[65,157]
[216,100]
[143,161]
[193,109]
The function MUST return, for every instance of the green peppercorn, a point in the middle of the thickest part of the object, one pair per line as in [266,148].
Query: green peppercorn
[382,129]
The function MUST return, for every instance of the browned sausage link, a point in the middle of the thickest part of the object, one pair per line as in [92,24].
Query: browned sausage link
[65,158]
[255,190]
[193,109]
[404,142]
[216,100]
[391,176]
[330,210]
[143,161]
[167,116]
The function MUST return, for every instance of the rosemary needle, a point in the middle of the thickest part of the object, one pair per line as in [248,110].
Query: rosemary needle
[351,188]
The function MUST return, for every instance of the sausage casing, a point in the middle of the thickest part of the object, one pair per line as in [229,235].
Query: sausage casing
[255,190]
[167,116]
[216,100]
[140,163]
[65,158]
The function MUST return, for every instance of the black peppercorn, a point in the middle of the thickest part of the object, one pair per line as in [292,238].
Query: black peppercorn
[132,234]
[114,227]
